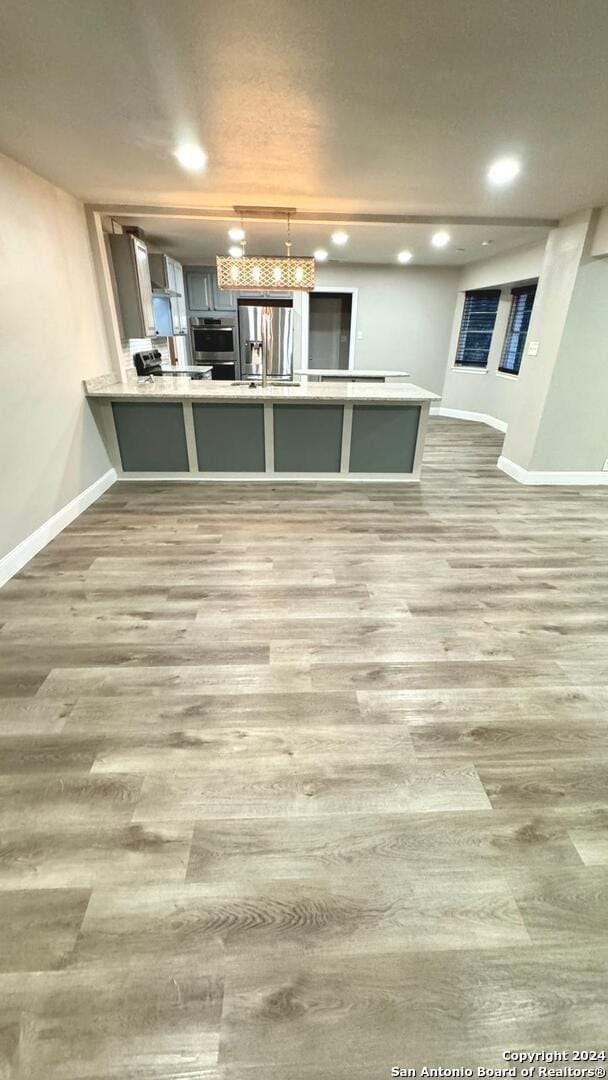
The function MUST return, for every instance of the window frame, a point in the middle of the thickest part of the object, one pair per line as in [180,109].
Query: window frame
[460,363]
[521,335]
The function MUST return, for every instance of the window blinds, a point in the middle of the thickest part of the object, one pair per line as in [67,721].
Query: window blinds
[476,328]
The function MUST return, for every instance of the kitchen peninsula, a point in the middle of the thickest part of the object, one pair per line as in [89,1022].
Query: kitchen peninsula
[183,429]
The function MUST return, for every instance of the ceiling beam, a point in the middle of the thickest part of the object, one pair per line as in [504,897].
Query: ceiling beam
[320,217]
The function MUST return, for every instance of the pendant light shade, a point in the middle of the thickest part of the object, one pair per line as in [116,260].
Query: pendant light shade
[267,272]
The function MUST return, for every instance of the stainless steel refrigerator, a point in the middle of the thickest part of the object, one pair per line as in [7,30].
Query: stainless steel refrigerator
[266,337]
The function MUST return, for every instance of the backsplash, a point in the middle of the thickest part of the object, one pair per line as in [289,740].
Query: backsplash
[133,345]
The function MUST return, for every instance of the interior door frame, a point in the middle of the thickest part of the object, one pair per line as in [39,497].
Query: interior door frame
[305,317]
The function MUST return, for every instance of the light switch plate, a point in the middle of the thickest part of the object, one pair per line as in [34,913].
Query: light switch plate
[533,348]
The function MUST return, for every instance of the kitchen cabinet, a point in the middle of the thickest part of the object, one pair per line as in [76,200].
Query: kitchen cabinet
[204,294]
[199,290]
[163,316]
[133,285]
[223,299]
[168,274]
[182,313]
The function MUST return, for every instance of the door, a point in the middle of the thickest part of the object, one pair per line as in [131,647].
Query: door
[277,338]
[145,286]
[181,299]
[223,299]
[266,335]
[329,330]
[199,291]
[172,286]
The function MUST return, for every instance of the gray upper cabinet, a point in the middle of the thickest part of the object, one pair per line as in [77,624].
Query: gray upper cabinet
[223,299]
[167,274]
[203,292]
[180,288]
[133,284]
[199,290]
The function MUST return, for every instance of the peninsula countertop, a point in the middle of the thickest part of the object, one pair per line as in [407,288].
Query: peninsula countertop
[352,373]
[186,389]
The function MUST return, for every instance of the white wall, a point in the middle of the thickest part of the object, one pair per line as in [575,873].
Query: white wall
[404,315]
[488,391]
[52,337]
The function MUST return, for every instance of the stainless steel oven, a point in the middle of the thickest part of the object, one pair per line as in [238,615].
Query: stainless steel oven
[214,343]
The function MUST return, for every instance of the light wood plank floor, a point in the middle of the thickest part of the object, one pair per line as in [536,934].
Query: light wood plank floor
[307,782]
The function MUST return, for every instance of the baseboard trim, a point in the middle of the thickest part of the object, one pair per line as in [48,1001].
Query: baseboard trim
[477,417]
[269,478]
[537,479]
[16,559]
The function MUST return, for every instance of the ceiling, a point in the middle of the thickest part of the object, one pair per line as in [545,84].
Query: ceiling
[395,106]
[199,241]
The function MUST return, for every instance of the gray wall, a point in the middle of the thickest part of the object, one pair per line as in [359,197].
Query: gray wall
[52,337]
[573,433]
[404,315]
[489,392]
[563,252]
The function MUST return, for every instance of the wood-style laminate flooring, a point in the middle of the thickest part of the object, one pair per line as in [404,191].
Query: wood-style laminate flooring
[307,781]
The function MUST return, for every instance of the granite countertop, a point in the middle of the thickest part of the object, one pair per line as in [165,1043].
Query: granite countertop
[185,389]
[185,369]
[355,373]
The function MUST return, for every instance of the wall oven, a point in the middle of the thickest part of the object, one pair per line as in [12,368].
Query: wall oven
[214,342]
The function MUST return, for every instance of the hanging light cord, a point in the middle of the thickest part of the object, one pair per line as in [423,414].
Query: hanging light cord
[288,241]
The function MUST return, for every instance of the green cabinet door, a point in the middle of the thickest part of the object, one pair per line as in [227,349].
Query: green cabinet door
[307,438]
[229,438]
[151,436]
[383,438]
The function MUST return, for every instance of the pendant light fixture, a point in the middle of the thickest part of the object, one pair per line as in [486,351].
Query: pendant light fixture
[285,273]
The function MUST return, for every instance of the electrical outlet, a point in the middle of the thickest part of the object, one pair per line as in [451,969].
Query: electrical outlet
[605,466]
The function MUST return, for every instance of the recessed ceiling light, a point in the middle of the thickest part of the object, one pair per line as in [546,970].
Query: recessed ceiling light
[191,157]
[235,251]
[320,255]
[485,243]
[339,237]
[404,256]
[461,249]
[440,239]
[504,170]
[236,234]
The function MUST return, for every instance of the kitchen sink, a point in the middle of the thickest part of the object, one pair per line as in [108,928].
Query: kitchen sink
[270,382]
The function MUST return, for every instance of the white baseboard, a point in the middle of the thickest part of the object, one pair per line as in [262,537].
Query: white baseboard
[569,479]
[16,559]
[462,414]
[269,478]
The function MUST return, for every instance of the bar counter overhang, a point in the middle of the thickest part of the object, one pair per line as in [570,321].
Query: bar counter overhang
[180,429]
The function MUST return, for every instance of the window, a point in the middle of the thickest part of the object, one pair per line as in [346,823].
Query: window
[476,329]
[522,300]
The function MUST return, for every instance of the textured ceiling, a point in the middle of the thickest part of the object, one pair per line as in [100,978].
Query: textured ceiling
[398,105]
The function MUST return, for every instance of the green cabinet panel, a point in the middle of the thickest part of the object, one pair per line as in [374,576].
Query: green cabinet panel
[307,438]
[151,436]
[383,438]
[229,438]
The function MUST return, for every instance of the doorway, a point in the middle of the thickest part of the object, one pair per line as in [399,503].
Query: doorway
[330,317]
